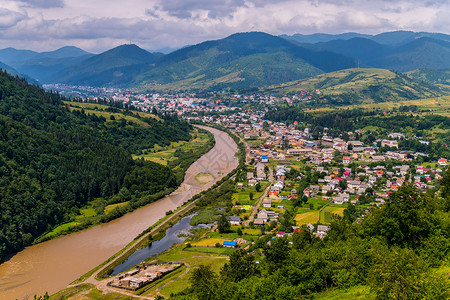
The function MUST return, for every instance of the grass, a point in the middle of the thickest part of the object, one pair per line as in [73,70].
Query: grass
[203,178]
[209,249]
[162,155]
[356,292]
[193,259]
[327,212]
[155,286]
[87,291]
[72,291]
[305,218]
[210,242]
[111,207]
[205,216]
[61,228]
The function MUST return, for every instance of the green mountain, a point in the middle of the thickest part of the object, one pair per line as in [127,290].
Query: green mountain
[360,85]
[241,60]
[41,65]
[421,53]
[323,37]
[393,38]
[399,38]
[362,49]
[10,56]
[93,69]
[52,161]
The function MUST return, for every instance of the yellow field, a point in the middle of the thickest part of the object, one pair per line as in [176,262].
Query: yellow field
[112,206]
[305,218]
[208,242]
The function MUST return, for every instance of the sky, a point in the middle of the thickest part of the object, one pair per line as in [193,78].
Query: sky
[98,25]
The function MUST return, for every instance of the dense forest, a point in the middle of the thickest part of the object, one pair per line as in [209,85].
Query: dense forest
[52,161]
[398,250]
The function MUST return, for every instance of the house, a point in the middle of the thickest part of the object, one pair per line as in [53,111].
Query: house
[346,159]
[229,244]
[326,188]
[442,162]
[262,214]
[280,234]
[259,222]
[355,144]
[250,175]
[376,158]
[396,135]
[234,220]
[264,159]
[267,203]
[389,143]
[340,146]
[252,182]
[322,229]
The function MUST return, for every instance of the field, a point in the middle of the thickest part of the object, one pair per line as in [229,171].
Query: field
[327,212]
[99,110]
[162,155]
[305,218]
[437,105]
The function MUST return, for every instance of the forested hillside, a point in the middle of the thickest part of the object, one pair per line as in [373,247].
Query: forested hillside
[52,161]
[397,251]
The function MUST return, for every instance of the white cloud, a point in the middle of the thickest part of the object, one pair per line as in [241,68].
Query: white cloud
[100,24]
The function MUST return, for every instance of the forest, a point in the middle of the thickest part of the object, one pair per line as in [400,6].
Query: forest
[53,161]
[400,250]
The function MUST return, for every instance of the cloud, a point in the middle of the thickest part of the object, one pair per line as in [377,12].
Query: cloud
[44,3]
[9,18]
[189,8]
[100,24]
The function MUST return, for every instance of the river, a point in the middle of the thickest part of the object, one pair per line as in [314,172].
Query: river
[52,265]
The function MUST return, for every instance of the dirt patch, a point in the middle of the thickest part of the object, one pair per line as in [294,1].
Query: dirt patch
[204,178]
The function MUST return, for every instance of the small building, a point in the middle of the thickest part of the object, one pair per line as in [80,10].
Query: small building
[267,203]
[234,220]
[322,229]
[229,244]
[280,234]
[264,159]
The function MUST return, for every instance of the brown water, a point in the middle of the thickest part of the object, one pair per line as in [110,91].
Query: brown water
[52,265]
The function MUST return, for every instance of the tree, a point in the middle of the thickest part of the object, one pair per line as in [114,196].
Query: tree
[258,187]
[277,253]
[204,282]
[239,231]
[251,195]
[240,266]
[223,225]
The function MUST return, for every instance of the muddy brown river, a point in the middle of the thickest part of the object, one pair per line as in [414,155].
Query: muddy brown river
[52,265]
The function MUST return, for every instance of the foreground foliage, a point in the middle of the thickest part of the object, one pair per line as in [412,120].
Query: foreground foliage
[394,250]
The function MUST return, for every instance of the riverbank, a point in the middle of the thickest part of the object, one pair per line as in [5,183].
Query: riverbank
[53,264]
[178,156]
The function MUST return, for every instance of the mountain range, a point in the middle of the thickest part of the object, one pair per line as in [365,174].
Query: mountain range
[242,60]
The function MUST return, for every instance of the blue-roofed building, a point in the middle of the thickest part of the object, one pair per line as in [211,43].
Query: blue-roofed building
[229,244]
[264,159]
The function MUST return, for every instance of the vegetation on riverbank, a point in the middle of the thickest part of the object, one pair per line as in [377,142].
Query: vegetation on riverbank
[55,161]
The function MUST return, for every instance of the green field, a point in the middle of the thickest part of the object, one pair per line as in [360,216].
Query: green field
[162,155]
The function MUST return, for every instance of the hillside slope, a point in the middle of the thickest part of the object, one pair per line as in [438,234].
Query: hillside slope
[369,85]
